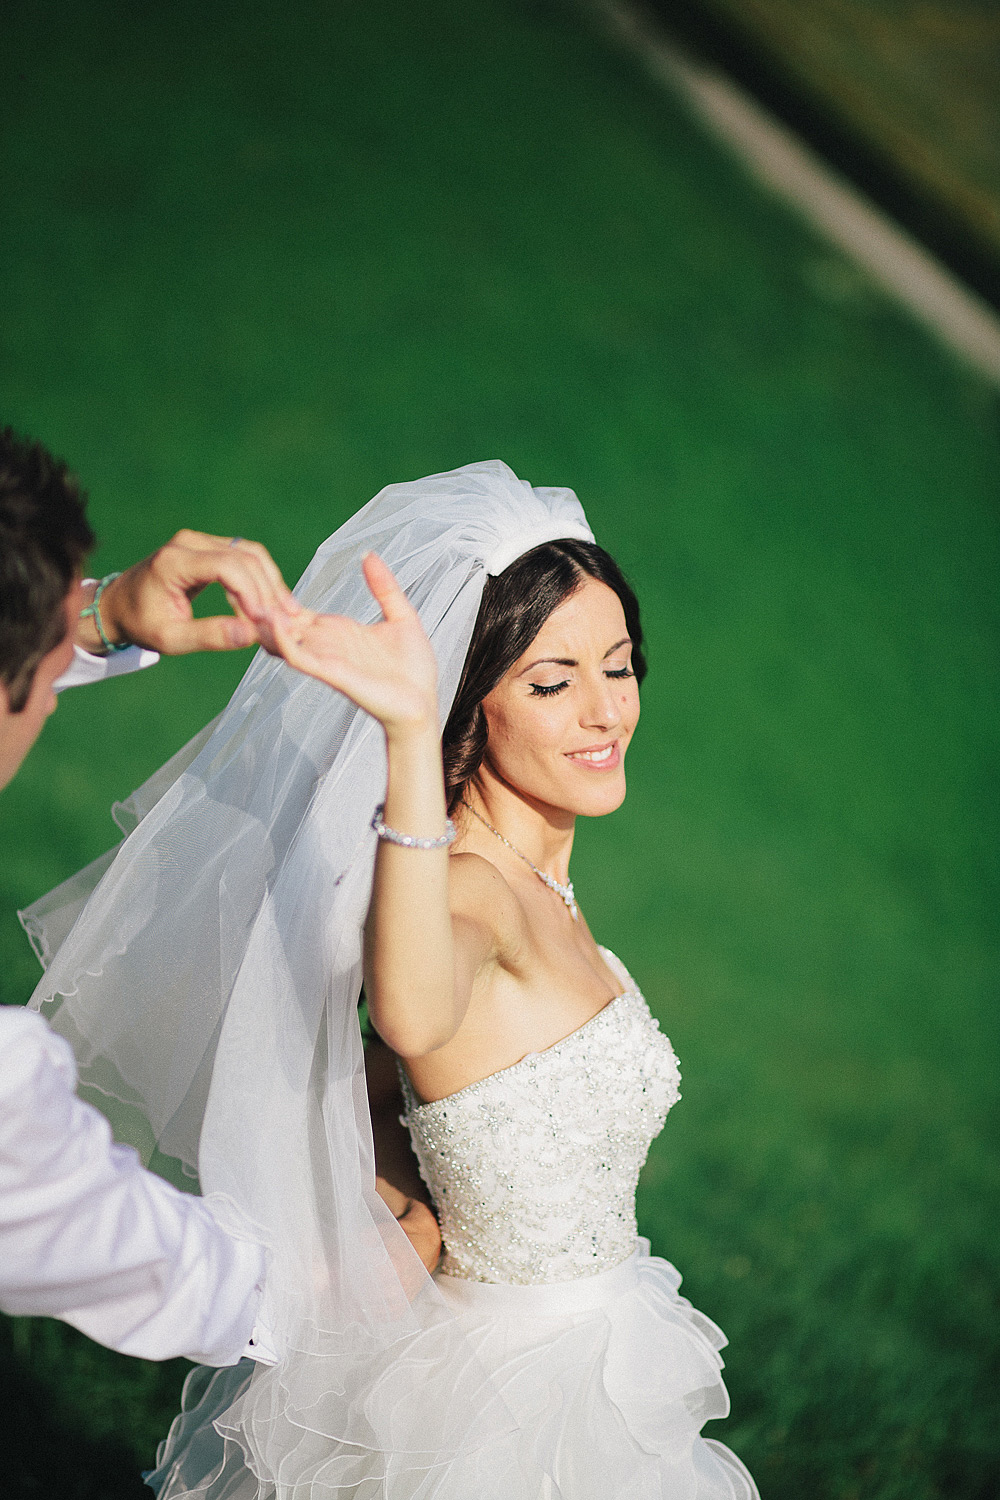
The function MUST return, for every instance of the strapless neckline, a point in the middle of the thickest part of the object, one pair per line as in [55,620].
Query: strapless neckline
[533,1169]
[415,1105]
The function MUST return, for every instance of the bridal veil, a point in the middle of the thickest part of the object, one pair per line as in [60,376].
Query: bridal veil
[207,974]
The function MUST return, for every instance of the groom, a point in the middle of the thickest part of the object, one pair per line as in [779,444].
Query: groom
[86,1234]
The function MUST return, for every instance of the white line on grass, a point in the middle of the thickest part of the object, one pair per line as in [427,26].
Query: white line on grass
[776,156]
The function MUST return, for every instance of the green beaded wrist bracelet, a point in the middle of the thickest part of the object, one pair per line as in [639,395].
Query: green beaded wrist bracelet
[94,609]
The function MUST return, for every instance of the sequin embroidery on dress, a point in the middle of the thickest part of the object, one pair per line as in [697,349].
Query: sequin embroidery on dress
[533,1170]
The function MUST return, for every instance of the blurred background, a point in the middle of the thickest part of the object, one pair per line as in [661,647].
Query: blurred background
[259,261]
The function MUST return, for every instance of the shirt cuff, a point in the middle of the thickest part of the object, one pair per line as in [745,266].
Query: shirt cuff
[259,1346]
[86,668]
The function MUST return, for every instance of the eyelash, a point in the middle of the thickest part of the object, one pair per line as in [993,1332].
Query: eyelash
[538,691]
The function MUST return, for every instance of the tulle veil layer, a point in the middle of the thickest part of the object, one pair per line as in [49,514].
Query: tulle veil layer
[207,973]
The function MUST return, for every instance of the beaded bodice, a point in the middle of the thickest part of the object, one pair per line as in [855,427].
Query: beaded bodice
[533,1170]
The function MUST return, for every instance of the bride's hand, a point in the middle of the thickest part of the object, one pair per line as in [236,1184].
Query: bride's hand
[415,1220]
[388,669]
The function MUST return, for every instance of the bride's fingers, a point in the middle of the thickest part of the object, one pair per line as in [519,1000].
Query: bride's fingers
[286,641]
[376,666]
[328,649]
[294,626]
[288,637]
[388,595]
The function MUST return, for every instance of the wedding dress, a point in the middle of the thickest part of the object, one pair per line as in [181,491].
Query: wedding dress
[607,1370]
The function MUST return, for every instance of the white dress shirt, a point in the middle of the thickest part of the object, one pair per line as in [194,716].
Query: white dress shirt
[89,1236]
[86,1233]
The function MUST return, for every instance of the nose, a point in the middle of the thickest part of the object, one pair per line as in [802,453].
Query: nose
[601,709]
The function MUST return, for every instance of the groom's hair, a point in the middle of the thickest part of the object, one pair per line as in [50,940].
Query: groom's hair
[44,537]
[515,605]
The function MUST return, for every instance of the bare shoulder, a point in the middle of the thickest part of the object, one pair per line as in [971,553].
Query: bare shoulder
[480,896]
[476,887]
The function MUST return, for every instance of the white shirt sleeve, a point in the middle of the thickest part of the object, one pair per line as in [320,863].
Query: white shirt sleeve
[86,668]
[89,1236]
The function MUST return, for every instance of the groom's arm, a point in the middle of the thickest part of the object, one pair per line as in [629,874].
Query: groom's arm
[147,609]
[149,605]
[89,1236]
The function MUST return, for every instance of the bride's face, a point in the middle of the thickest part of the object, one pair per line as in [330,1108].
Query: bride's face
[561,720]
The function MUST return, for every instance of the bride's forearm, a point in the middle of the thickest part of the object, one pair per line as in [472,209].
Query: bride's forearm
[389,670]
[409,954]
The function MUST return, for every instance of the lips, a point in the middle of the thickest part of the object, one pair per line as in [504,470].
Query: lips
[597,757]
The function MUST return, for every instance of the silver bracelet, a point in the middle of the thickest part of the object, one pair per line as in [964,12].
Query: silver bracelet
[407,840]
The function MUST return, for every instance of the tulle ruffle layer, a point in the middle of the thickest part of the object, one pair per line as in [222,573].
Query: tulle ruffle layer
[607,1382]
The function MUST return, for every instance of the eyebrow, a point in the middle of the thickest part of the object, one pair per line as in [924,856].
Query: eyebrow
[569,661]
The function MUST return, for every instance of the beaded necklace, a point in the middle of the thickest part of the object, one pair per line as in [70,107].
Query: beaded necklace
[563,891]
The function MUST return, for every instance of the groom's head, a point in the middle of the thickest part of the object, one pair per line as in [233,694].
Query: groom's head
[44,537]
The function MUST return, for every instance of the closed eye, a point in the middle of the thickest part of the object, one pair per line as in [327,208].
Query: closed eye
[621,672]
[538,691]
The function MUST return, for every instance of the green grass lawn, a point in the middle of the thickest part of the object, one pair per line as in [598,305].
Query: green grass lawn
[260,261]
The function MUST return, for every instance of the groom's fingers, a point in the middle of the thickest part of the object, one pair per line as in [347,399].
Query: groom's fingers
[245,570]
[214,633]
[150,604]
[257,560]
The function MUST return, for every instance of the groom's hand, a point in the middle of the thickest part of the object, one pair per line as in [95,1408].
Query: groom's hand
[150,604]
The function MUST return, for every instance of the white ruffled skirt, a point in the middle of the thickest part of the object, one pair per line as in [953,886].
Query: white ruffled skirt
[607,1381]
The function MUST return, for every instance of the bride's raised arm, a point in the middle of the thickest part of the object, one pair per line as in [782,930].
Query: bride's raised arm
[420,965]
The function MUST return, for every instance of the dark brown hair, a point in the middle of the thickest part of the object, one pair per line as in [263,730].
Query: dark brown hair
[515,605]
[44,537]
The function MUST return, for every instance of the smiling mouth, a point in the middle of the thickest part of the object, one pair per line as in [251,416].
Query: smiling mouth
[601,758]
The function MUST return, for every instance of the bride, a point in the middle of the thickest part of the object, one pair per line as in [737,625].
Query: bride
[207,975]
